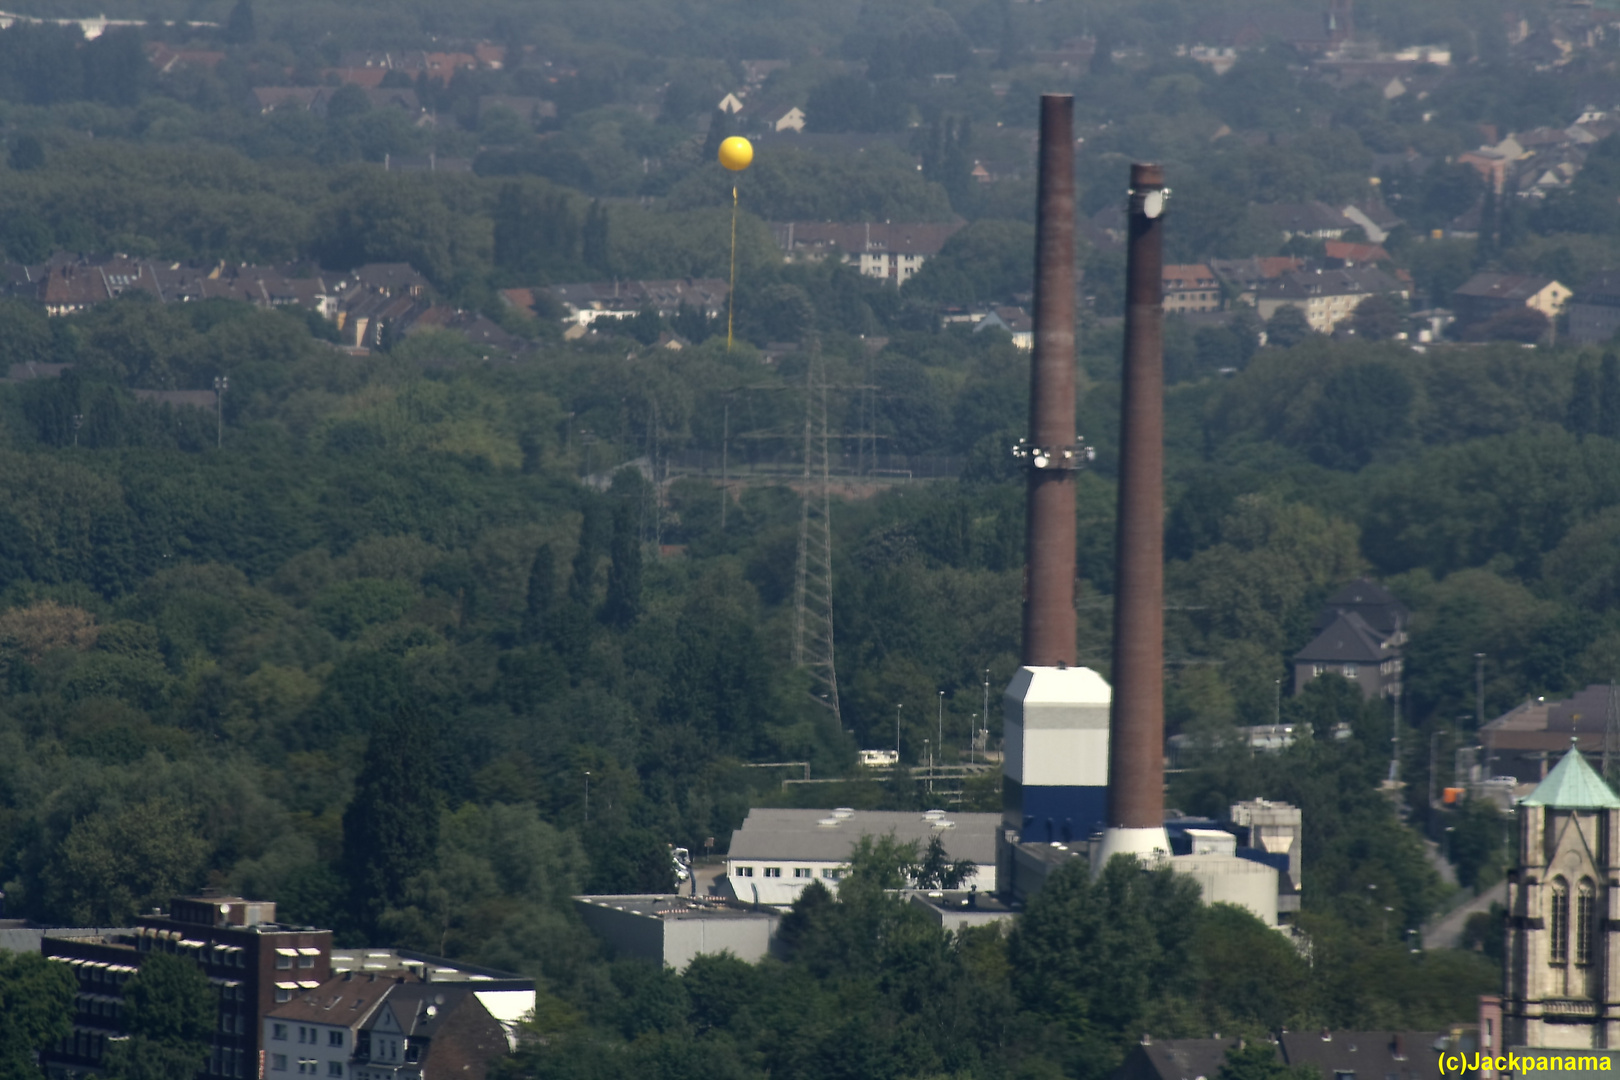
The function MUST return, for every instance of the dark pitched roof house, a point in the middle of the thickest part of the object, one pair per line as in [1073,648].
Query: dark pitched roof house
[1174,1059]
[1337,1055]
[1375,604]
[1365,1055]
[1303,284]
[1506,288]
[1347,639]
[1485,295]
[445,1030]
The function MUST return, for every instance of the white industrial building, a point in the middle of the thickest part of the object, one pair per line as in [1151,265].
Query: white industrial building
[777,853]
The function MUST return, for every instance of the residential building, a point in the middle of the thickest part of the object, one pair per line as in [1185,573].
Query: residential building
[1373,217]
[315,1033]
[1174,1059]
[1190,287]
[253,963]
[1311,220]
[1358,635]
[585,302]
[776,853]
[1485,295]
[1349,647]
[428,1031]
[1522,742]
[884,250]
[507,997]
[790,119]
[1339,1055]
[1594,311]
[1243,277]
[1345,254]
[673,930]
[1561,936]
[1384,1055]
[384,1027]
[1327,297]
[1015,321]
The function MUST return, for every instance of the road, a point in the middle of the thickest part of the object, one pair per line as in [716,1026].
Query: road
[1446,932]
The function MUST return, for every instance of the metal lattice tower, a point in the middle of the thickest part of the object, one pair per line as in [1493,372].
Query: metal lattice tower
[812,595]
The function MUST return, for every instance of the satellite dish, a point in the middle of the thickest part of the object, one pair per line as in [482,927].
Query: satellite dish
[1153,204]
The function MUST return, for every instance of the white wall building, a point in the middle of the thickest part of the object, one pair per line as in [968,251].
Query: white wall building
[314,1034]
[777,853]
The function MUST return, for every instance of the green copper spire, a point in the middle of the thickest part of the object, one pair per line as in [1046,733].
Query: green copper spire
[1573,785]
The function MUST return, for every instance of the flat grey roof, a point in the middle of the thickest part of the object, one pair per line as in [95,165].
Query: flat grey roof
[807,836]
[673,908]
[959,901]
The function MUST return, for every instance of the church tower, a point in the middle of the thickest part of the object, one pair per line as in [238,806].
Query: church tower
[1562,977]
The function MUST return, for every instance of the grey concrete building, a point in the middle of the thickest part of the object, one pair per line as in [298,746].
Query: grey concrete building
[675,929]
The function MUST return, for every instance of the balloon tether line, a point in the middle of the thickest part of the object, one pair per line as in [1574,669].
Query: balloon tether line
[731,295]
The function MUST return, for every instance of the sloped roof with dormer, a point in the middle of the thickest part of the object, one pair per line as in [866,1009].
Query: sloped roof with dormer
[1347,639]
[1573,785]
[1374,603]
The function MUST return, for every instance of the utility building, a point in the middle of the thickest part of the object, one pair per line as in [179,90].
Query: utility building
[777,853]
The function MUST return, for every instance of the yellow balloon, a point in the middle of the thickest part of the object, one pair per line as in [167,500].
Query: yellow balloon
[736,153]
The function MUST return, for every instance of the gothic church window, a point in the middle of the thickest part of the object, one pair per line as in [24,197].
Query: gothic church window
[1585,915]
[1558,921]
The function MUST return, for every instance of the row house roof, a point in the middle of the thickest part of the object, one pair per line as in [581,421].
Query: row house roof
[901,238]
[1252,271]
[632,295]
[1515,288]
[1187,276]
[1304,284]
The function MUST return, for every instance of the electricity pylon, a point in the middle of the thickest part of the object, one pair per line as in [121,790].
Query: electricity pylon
[812,594]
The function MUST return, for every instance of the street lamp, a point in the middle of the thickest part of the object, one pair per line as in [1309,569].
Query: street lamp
[941,733]
[897,709]
[78,422]
[222,383]
[986,713]
[587,797]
